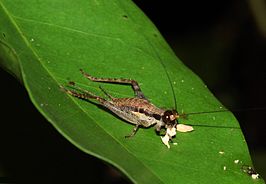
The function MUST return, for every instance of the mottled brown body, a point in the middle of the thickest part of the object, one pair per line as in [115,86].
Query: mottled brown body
[138,105]
[136,111]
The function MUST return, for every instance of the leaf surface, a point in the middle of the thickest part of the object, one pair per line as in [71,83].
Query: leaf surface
[45,43]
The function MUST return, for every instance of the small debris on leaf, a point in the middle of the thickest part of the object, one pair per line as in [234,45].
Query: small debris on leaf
[255,176]
[250,171]
[170,132]
[221,152]
[184,128]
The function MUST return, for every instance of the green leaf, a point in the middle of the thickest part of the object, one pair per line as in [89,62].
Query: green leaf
[45,43]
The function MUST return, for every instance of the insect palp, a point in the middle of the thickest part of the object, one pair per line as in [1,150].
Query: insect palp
[183,116]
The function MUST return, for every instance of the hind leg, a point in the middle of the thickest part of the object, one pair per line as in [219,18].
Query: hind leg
[133,83]
[86,95]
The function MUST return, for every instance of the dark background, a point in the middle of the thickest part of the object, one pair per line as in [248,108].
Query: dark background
[221,41]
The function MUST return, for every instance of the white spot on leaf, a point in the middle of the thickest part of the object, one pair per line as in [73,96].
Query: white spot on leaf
[255,176]
[184,128]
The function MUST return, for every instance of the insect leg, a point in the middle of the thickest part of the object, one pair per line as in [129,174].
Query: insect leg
[108,95]
[134,131]
[133,83]
[158,129]
[86,95]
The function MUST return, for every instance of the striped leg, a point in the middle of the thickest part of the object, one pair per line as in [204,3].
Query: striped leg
[85,95]
[133,83]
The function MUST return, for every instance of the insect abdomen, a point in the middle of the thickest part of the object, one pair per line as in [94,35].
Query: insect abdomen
[133,114]
[122,113]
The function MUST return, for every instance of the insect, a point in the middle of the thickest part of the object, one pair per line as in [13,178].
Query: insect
[137,110]
[250,171]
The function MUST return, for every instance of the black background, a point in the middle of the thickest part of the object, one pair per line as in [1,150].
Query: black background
[219,40]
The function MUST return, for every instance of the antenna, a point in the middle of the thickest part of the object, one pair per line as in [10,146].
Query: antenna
[167,74]
[170,83]
[185,115]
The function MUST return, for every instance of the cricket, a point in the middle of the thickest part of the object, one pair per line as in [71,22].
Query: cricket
[137,110]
